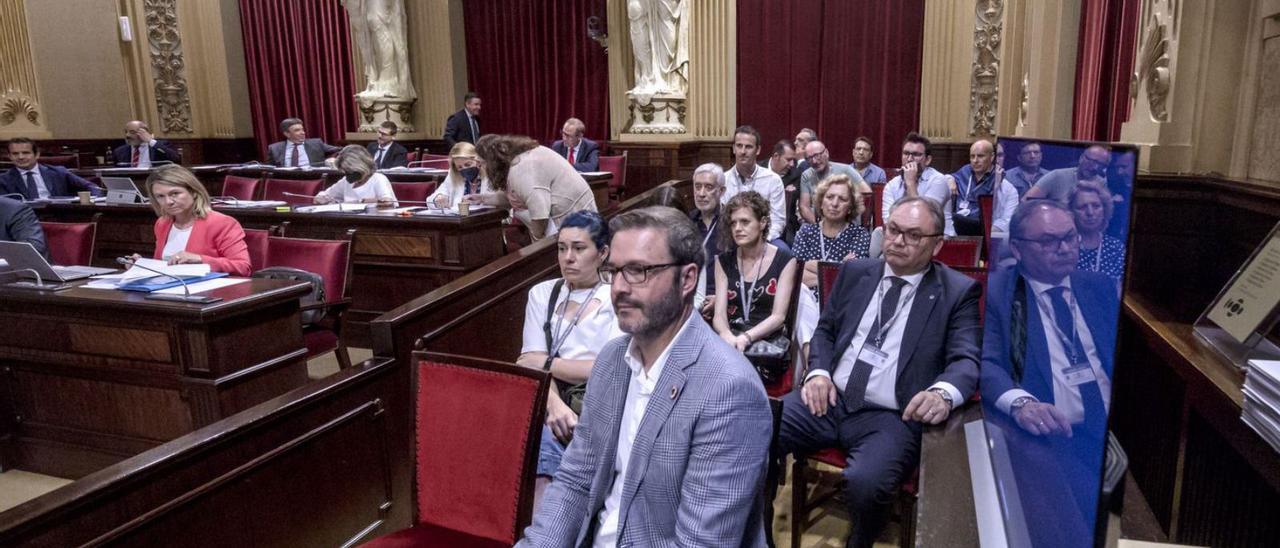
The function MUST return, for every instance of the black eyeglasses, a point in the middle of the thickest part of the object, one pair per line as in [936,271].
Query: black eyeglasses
[633,273]
[1053,243]
[892,232]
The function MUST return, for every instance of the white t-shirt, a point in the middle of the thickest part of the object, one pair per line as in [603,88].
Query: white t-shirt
[585,339]
[177,241]
[378,186]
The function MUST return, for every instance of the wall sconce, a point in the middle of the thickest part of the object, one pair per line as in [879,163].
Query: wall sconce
[595,31]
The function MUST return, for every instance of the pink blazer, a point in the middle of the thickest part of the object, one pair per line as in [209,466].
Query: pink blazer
[217,239]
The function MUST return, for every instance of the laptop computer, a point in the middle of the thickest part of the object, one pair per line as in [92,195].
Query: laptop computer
[23,255]
[123,190]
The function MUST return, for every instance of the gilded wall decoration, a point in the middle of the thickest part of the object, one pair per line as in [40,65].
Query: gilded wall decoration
[15,107]
[172,99]
[1153,66]
[983,90]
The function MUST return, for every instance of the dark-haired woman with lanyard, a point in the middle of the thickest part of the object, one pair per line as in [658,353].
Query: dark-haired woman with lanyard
[566,341]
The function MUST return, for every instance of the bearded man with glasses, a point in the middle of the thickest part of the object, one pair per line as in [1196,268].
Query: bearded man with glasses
[673,441]
[918,179]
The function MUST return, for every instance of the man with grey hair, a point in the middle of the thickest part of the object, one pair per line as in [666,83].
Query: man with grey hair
[708,186]
[896,347]
[296,150]
[821,167]
[582,153]
[673,441]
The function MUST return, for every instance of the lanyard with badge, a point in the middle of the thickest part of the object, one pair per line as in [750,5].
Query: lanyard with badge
[710,230]
[871,352]
[560,335]
[962,207]
[822,242]
[1078,371]
[744,289]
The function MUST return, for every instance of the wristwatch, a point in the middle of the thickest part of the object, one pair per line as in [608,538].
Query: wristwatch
[1019,403]
[946,396]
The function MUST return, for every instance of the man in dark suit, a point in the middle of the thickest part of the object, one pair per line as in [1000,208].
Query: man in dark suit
[896,347]
[1047,366]
[142,149]
[464,125]
[386,152]
[34,180]
[18,223]
[582,153]
[296,150]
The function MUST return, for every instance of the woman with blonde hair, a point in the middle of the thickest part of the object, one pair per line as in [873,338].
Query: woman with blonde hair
[465,177]
[361,183]
[188,230]
[835,237]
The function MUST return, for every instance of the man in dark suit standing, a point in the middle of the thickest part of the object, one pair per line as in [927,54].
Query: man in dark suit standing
[896,347]
[35,181]
[582,153]
[19,224]
[142,149]
[464,125]
[386,152]
[1047,366]
[296,150]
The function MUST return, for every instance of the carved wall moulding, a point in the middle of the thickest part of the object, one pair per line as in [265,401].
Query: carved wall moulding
[1153,67]
[172,99]
[983,90]
[1024,104]
[18,106]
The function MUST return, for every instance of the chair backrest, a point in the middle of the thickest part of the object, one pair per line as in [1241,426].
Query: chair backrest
[430,156]
[413,192]
[869,216]
[616,165]
[413,156]
[475,468]
[240,188]
[960,251]
[275,189]
[986,203]
[877,195]
[331,259]
[980,274]
[257,240]
[827,271]
[69,161]
[70,243]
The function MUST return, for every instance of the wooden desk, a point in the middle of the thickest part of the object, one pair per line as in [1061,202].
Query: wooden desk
[91,376]
[396,259]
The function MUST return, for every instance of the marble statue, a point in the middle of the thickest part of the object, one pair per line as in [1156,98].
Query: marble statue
[378,29]
[660,42]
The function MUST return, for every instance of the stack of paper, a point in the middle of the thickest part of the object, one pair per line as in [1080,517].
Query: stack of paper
[334,208]
[137,274]
[1262,400]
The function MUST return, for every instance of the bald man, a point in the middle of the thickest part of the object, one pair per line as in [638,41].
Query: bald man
[142,149]
[980,177]
[1059,183]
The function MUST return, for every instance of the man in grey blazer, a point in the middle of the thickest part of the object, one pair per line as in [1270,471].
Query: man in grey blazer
[897,346]
[296,150]
[672,445]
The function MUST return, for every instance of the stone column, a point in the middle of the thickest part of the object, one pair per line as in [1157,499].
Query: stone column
[946,70]
[20,113]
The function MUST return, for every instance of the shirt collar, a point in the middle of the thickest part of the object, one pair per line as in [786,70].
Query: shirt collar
[34,169]
[912,280]
[1040,287]
[637,366]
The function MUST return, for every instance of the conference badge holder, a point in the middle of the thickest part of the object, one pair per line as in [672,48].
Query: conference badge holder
[1240,322]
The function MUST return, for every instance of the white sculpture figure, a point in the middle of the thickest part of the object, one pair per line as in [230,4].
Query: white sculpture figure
[660,43]
[378,29]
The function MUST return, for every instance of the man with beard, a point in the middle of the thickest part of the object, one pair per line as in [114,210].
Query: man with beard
[142,149]
[672,444]
[1060,183]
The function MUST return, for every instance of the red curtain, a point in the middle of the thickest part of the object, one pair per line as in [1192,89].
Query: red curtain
[534,67]
[1104,60]
[841,67]
[299,65]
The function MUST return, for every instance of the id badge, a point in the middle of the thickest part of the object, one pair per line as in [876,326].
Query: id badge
[1078,374]
[875,357]
[963,208]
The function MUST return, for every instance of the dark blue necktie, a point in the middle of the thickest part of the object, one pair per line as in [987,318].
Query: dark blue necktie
[33,192]
[855,389]
[1095,412]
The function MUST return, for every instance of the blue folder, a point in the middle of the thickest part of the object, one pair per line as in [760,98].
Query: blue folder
[156,283]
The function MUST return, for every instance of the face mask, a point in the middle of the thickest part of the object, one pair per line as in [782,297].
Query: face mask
[354,176]
[469,174]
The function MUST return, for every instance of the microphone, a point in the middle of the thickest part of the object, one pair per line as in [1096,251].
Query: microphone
[37,285]
[186,296]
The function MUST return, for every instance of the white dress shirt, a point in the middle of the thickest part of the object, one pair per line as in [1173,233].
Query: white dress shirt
[1065,396]
[40,186]
[302,154]
[932,184]
[377,188]
[1004,202]
[769,185]
[378,156]
[144,153]
[642,385]
[881,386]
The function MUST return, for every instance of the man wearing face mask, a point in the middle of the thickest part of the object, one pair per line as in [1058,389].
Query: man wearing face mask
[360,184]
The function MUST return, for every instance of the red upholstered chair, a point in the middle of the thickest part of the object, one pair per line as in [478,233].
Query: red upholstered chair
[331,259]
[827,271]
[785,383]
[70,243]
[436,163]
[413,156]
[275,189]
[617,166]
[240,188]
[413,192]
[961,251]
[430,156]
[257,240]
[475,471]
[978,273]
[69,161]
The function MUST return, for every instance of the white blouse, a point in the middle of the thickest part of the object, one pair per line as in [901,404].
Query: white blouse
[582,341]
[177,241]
[453,188]
[377,187]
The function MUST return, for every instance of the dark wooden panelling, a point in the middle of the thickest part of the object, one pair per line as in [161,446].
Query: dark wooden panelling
[651,164]
[1223,503]
[194,151]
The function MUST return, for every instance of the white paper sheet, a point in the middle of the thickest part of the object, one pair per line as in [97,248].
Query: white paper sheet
[206,285]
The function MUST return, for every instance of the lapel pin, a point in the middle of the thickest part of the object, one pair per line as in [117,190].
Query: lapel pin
[674,391]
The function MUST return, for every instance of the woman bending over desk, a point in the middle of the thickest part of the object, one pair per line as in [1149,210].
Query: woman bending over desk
[188,230]
[361,182]
[536,184]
